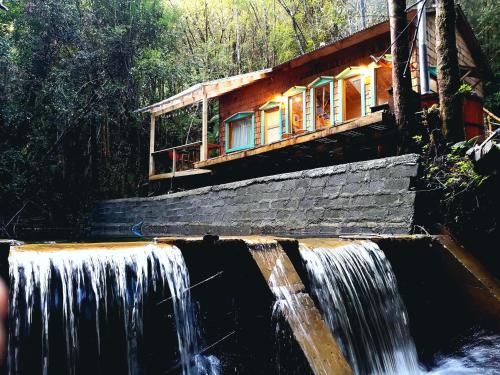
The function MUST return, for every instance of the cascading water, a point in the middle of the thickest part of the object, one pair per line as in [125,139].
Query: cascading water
[94,300]
[358,295]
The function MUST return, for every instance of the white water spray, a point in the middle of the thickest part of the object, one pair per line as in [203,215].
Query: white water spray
[358,295]
[106,279]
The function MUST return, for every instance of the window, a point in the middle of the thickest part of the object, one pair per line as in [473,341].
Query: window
[295,105]
[352,90]
[240,131]
[383,82]
[322,114]
[352,93]
[271,126]
[295,110]
[433,85]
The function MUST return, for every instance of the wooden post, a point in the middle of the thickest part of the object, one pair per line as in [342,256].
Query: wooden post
[204,129]
[152,131]
[448,73]
[401,82]
[174,161]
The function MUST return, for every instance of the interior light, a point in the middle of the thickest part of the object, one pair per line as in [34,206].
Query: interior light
[363,70]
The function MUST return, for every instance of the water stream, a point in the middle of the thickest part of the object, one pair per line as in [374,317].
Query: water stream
[96,310]
[479,354]
[359,299]
[90,298]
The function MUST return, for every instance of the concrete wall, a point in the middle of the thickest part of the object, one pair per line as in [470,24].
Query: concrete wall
[366,197]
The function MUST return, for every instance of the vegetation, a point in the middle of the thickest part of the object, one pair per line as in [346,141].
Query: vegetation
[458,198]
[72,73]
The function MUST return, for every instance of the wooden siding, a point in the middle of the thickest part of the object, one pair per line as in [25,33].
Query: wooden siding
[465,57]
[251,97]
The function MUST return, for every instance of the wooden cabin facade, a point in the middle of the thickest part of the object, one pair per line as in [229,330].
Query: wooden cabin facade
[312,104]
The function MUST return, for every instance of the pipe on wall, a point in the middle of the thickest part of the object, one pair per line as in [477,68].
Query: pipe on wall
[422,48]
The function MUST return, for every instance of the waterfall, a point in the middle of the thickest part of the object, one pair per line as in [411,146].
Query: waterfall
[77,297]
[357,292]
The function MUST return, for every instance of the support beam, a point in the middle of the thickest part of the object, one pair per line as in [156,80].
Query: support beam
[174,162]
[204,131]
[310,330]
[152,131]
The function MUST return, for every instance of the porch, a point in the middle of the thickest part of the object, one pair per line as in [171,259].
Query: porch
[349,140]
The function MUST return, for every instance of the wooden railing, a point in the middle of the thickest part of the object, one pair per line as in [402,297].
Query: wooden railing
[169,161]
[181,158]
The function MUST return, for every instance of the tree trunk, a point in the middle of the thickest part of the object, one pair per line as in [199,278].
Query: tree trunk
[404,111]
[448,74]
[362,8]
[238,42]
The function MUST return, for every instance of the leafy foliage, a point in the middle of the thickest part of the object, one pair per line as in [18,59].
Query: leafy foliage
[467,201]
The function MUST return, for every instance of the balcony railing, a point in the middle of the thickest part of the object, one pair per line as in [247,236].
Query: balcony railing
[178,158]
[181,158]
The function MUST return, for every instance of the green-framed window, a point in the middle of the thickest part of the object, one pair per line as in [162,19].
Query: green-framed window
[351,93]
[321,103]
[295,109]
[239,131]
[380,82]
[271,122]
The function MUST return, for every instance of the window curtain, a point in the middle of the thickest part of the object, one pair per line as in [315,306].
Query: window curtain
[241,135]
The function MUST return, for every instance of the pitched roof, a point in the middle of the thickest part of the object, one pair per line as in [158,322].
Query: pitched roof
[222,86]
[211,89]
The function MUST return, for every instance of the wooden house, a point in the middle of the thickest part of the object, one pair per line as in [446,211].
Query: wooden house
[324,107]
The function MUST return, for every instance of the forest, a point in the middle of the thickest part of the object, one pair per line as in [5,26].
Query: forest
[73,72]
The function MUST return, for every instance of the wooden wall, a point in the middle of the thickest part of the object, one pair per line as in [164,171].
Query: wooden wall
[465,57]
[251,97]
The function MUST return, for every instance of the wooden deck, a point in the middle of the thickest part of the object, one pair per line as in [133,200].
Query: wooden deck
[377,121]
[186,173]
[337,144]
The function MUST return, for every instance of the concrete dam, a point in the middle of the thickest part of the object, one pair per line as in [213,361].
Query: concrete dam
[311,272]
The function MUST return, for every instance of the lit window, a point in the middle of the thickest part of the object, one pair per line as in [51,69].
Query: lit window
[321,103]
[383,82]
[295,110]
[352,93]
[352,90]
[296,104]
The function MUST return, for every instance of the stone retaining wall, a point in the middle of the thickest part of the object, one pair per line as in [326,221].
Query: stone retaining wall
[369,197]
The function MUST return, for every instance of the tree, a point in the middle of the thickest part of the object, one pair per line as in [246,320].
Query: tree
[401,81]
[448,76]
